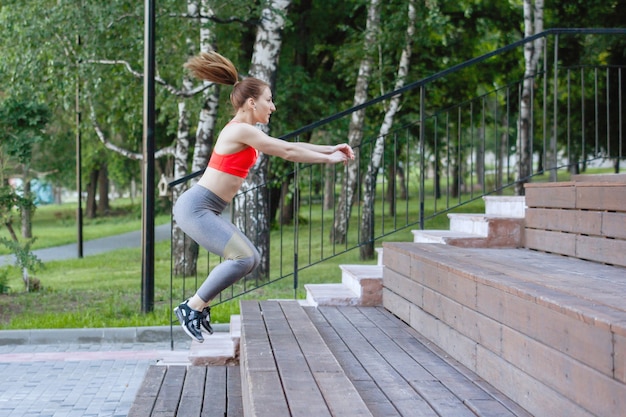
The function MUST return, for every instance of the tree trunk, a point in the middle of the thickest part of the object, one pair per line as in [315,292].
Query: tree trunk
[329,187]
[287,208]
[339,231]
[92,185]
[369,198]
[254,218]
[103,190]
[533,24]
[185,250]
[27,212]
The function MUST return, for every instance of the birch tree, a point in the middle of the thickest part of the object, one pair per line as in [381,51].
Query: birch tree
[185,250]
[355,131]
[533,24]
[367,225]
[251,204]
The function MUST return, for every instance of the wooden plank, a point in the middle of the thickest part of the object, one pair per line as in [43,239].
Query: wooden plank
[545,195]
[614,225]
[169,396]
[340,395]
[548,241]
[376,401]
[391,383]
[300,388]
[609,197]
[440,398]
[234,406]
[193,392]
[570,221]
[146,396]
[610,251]
[214,398]
[263,395]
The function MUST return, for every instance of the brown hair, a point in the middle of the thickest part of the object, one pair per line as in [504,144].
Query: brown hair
[211,66]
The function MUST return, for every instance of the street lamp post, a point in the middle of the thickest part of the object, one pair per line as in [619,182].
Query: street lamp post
[147,288]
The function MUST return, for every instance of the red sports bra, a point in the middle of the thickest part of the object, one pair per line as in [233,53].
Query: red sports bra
[238,163]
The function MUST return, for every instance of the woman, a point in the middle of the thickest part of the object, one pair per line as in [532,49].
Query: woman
[198,211]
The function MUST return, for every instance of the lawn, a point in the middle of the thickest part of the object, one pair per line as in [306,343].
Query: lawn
[105,290]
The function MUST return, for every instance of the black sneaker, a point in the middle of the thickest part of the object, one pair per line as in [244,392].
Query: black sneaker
[190,319]
[205,319]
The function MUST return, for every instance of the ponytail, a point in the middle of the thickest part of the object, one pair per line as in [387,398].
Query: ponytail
[211,66]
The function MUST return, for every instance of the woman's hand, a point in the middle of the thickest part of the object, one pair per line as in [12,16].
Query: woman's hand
[346,150]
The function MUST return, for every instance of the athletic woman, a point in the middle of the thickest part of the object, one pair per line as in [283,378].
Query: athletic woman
[198,210]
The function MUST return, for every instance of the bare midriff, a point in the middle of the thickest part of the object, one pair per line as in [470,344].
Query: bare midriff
[224,185]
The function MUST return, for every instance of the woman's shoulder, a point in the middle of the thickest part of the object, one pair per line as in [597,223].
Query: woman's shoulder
[239,134]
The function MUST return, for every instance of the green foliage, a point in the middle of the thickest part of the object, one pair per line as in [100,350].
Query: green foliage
[22,124]
[4,281]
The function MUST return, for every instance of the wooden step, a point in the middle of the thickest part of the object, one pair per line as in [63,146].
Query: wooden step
[585,220]
[352,361]
[600,178]
[189,391]
[544,329]
[287,368]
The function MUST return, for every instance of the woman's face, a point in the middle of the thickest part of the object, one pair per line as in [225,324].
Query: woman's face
[264,106]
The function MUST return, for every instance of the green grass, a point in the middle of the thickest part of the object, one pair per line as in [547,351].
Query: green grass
[105,290]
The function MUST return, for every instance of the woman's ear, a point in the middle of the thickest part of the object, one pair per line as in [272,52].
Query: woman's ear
[251,103]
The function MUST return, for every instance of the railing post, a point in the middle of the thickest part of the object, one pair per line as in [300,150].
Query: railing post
[553,140]
[422,162]
[296,231]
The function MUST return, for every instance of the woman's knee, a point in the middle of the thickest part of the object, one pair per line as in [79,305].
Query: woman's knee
[251,262]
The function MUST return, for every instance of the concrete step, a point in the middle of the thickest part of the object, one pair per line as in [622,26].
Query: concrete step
[360,285]
[508,206]
[442,236]
[476,231]
[218,349]
[365,281]
[330,295]
[473,224]
[379,252]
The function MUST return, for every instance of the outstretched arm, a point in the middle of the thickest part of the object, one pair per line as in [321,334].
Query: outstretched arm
[297,151]
[328,149]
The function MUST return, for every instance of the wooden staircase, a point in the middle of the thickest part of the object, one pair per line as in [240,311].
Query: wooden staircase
[517,312]
[545,323]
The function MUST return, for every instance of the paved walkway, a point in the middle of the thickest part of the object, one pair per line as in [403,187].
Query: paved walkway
[76,379]
[94,247]
[48,373]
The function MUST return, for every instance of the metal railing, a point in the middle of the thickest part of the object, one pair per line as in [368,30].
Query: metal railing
[449,146]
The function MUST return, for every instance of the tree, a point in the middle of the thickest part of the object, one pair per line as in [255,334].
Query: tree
[22,125]
[355,132]
[533,24]
[252,215]
[367,225]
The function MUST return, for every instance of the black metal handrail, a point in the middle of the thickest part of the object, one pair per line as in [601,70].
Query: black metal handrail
[429,79]
[465,149]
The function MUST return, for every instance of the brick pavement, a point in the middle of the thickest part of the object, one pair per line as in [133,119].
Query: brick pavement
[77,379]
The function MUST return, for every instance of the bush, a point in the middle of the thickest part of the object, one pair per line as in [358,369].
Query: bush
[4,279]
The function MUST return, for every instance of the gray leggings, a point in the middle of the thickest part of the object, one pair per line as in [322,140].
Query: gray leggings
[198,213]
